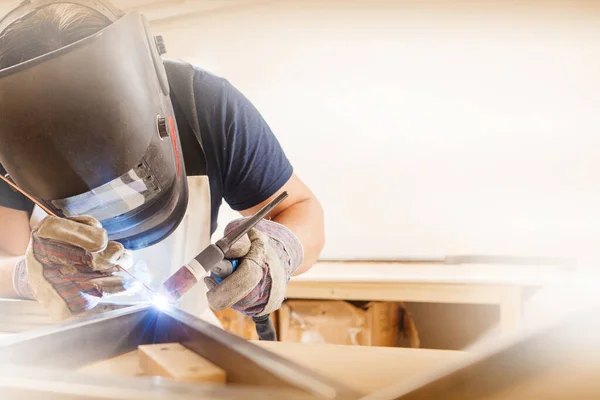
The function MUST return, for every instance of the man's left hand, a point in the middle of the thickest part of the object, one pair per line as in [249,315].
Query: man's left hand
[268,255]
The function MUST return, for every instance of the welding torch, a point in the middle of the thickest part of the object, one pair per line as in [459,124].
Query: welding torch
[212,260]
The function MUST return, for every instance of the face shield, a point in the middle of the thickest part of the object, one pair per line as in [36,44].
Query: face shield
[89,129]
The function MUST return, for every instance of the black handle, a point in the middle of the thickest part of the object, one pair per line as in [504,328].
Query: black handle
[265,328]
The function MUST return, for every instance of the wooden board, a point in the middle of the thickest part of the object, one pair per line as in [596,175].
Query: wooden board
[366,272]
[172,360]
[365,369]
[398,291]
[124,365]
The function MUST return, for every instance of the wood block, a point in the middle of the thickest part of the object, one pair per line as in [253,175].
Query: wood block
[125,365]
[172,360]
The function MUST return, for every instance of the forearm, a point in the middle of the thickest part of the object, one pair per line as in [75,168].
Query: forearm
[305,219]
[7,266]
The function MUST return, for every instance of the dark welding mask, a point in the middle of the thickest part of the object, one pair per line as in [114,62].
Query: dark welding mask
[89,129]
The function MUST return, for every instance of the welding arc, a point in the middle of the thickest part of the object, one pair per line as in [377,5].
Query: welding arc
[52,213]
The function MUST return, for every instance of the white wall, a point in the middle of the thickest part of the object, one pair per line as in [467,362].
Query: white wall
[426,128]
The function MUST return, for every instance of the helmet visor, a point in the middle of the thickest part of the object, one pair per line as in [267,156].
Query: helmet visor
[129,193]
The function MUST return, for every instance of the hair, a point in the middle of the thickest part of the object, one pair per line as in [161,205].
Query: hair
[48,29]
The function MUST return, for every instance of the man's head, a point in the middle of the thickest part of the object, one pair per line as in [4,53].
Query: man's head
[87,124]
[48,29]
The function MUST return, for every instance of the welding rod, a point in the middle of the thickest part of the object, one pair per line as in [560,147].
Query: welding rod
[54,214]
[38,203]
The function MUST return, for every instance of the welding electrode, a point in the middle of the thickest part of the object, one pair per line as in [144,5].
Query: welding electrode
[54,214]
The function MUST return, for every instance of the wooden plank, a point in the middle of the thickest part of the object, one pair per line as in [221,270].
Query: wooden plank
[124,365]
[383,272]
[172,360]
[395,291]
[364,369]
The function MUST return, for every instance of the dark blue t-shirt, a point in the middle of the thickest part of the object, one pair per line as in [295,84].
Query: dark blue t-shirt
[245,162]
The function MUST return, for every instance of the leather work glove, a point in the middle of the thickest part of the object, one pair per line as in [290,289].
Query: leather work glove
[268,255]
[70,266]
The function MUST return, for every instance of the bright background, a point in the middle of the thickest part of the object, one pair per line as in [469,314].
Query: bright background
[426,128]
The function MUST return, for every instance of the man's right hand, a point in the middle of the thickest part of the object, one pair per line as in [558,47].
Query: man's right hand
[70,265]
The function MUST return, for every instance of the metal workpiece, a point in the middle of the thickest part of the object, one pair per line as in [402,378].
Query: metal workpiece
[74,344]
[22,315]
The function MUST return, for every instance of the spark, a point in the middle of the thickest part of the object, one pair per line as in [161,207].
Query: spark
[162,302]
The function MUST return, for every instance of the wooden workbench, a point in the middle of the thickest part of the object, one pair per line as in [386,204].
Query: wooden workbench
[500,285]
[365,369]
[558,359]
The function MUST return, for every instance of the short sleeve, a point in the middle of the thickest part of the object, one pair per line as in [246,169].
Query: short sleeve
[10,198]
[256,166]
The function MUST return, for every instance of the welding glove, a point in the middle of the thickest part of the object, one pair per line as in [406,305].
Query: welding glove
[268,255]
[70,265]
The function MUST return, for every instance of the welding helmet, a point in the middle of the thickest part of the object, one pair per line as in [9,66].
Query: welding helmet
[89,129]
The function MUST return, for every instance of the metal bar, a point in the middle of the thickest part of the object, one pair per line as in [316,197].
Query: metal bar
[99,337]
[23,315]
[79,342]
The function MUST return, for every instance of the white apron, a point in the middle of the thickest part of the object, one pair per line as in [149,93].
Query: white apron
[154,264]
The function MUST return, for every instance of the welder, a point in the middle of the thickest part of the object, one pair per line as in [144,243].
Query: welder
[135,153]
